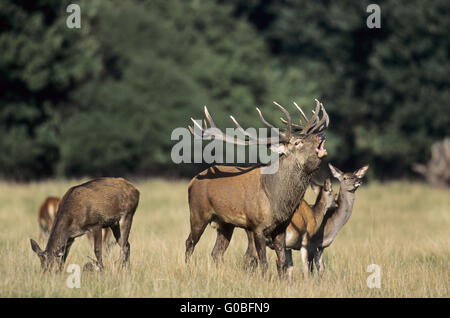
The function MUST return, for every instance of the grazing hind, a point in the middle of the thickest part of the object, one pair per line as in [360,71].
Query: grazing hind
[90,207]
[335,218]
[46,217]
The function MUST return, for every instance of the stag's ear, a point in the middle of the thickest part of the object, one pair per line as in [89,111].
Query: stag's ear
[335,172]
[361,172]
[35,247]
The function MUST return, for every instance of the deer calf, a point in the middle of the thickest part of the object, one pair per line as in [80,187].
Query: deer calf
[336,217]
[305,222]
[46,214]
[90,207]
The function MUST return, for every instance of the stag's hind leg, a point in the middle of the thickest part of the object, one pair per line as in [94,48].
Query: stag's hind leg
[224,234]
[199,221]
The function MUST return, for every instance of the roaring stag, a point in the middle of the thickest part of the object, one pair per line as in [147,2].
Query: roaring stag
[90,207]
[262,203]
[304,224]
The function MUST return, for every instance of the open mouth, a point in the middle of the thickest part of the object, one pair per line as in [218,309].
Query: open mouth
[321,151]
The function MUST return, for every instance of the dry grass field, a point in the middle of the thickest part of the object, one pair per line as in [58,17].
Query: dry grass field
[404,228]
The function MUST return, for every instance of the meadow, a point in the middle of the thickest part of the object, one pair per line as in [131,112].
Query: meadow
[402,227]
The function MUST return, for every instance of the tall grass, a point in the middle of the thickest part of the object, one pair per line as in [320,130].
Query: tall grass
[404,228]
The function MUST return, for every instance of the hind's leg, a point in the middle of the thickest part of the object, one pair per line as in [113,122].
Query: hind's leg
[107,242]
[250,256]
[98,247]
[289,265]
[318,260]
[224,234]
[125,227]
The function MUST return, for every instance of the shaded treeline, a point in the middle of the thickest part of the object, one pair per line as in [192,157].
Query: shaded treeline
[104,99]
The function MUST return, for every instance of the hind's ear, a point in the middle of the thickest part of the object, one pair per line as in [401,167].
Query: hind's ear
[35,247]
[361,172]
[335,172]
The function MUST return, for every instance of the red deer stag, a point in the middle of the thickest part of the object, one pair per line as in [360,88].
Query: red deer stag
[304,225]
[89,207]
[244,197]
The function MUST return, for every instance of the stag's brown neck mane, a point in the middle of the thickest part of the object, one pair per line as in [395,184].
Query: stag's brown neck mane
[286,187]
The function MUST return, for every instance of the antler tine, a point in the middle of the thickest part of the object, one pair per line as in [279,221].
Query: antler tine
[295,126]
[219,135]
[312,121]
[289,120]
[323,123]
[301,111]
[241,129]
[209,118]
[265,122]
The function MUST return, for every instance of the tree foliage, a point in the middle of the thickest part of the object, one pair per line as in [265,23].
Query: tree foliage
[104,99]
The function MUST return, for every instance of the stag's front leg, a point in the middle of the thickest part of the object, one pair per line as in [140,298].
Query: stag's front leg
[260,243]
[251,255]
[279,243]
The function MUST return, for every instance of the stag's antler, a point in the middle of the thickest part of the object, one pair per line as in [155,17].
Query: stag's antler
[219,135]
[313,125]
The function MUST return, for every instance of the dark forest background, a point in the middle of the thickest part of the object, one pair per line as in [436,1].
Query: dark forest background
[104,99]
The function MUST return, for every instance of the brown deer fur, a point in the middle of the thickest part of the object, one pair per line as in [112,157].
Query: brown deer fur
[261,203]
[304,223]
[46,216]
[89,207]
[47,213]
